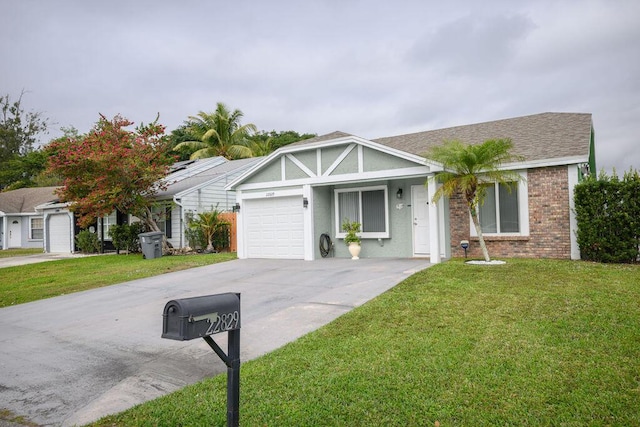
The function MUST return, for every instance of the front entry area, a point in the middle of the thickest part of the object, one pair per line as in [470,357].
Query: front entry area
[15,233]
[420,217]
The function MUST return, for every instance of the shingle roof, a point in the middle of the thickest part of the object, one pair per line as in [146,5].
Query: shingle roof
[25,200]
[537,137]
[327,137]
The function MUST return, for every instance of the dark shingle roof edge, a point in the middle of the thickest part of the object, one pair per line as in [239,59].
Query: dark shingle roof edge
[25,200]
[536,137]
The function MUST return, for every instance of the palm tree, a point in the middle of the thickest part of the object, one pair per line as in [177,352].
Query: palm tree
[219,134]
[467,168]
[261,148]
[210,223]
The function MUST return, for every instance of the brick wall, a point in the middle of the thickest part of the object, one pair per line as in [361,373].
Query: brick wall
[548,221]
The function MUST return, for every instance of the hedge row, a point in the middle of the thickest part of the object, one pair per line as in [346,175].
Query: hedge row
[608,215]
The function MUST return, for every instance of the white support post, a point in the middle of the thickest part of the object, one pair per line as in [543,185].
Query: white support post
[309,244]
[434,223]
[573,222]
[240,228]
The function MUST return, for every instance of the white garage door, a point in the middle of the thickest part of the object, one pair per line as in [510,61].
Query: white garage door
[274,228]
[60,233]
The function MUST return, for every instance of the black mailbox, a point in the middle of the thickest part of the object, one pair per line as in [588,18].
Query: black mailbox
[198,317]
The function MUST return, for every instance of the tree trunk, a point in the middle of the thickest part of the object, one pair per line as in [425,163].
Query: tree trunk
[476,223]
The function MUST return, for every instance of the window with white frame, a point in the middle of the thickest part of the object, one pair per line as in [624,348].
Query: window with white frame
[107,223]
[499,213]
[162,216]
[367,205]
[505,210]
[36,229]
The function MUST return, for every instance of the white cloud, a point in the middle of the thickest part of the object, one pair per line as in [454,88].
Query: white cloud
[372,68]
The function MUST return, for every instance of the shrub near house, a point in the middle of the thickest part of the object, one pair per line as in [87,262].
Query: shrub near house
[608,215]
[125,236]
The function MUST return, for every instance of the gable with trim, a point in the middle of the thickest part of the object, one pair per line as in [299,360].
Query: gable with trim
[345,159]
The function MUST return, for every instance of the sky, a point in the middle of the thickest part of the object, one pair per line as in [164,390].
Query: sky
[370,68]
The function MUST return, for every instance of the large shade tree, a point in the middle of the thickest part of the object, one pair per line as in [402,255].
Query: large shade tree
[110,168]
[219,133]
[467,168]
[19,130]
[264,143]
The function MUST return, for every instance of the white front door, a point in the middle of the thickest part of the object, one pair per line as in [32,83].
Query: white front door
[15,233]
[420,216]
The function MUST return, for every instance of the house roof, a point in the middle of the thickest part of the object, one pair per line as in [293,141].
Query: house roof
[537,137]
[182,180]
[327,137]
[25,200]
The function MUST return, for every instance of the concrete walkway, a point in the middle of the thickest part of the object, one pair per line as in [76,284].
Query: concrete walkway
[72,359]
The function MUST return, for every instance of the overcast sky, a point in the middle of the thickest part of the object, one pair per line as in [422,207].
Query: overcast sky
[370,68]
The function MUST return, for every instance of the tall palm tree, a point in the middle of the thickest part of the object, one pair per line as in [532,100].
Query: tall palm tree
[219,134]
[467,168]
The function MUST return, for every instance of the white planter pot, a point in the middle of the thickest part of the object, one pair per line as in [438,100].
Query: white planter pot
[354,250]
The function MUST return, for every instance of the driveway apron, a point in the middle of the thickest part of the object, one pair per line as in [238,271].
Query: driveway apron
[72,359]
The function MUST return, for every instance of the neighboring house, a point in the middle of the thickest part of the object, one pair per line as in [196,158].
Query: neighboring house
[306,189]
[196,186]
[192,186]
[60,227]
[21,225]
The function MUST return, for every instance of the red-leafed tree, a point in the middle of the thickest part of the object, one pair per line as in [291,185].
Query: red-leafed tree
[112,168]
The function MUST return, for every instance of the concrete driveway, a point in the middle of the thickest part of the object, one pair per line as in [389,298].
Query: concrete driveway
[72,359]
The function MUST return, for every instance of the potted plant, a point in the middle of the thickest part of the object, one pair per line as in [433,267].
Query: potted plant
[351,239]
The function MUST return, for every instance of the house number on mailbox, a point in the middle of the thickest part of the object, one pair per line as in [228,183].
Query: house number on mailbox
[226,322]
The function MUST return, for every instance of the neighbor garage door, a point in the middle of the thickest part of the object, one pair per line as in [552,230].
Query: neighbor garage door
[274,227]
[60,233]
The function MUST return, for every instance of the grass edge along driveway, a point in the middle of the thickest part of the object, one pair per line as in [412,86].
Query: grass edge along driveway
[33,282]
[533,342]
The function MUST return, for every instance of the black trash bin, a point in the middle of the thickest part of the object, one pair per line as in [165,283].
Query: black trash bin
[151,244]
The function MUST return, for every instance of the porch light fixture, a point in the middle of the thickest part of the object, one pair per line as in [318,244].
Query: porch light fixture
[305,202]
[236,207]
[399,193]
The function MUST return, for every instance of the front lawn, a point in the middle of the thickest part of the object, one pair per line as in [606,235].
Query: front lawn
[8,253]
[533,342]
[32,282]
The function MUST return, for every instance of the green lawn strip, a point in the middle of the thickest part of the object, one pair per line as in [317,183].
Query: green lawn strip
[533,342]
[33,282]
[6,415]
[8,253]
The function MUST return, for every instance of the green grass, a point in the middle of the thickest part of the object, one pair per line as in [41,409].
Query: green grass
[32,282]
[19,252]
[530,343]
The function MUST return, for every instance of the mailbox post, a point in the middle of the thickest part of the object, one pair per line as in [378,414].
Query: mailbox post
[200,317]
